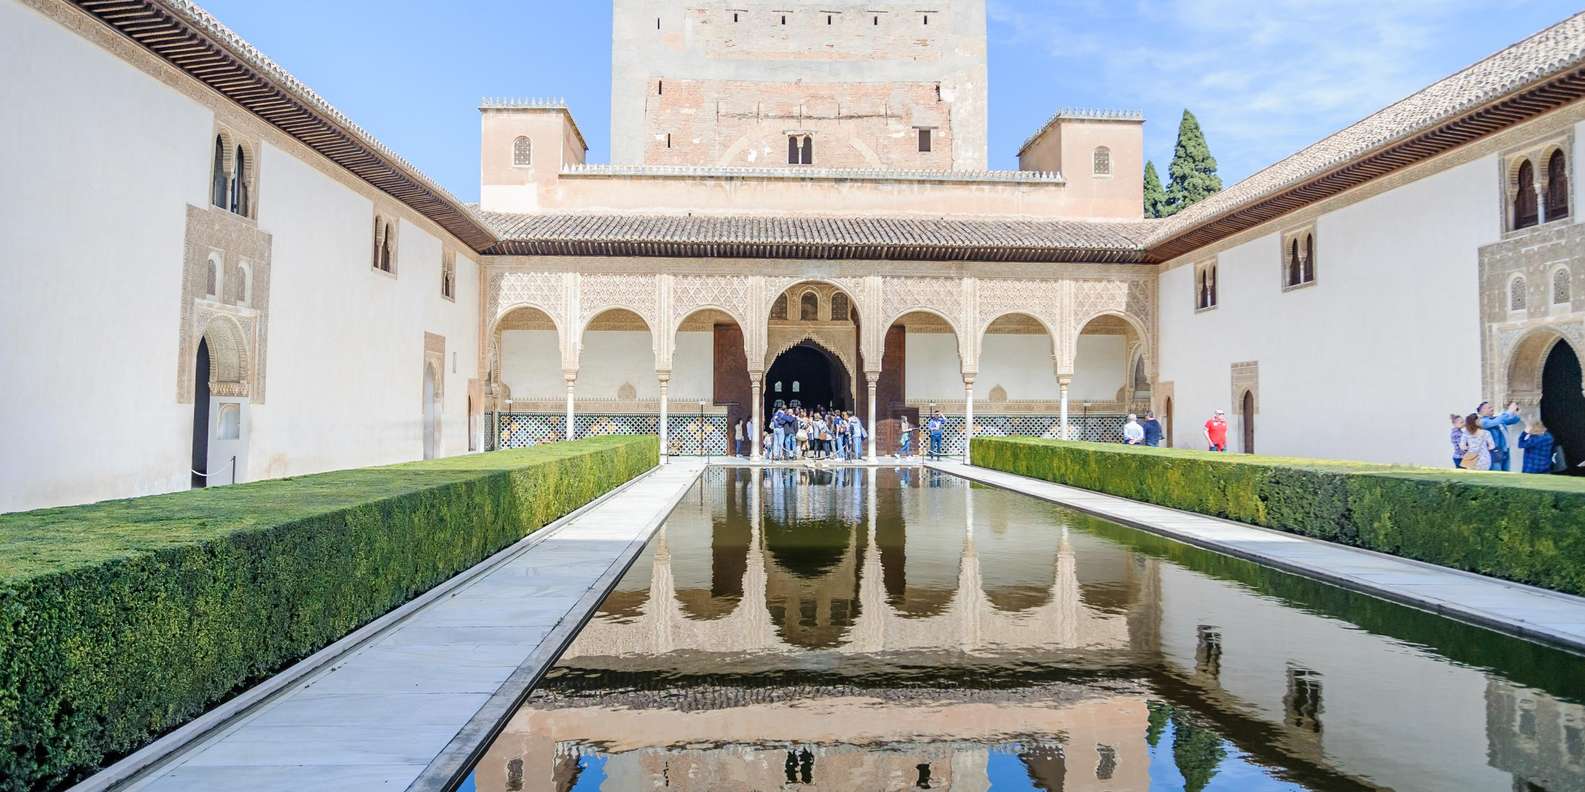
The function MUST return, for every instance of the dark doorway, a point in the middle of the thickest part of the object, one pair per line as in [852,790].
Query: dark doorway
[200,468]
[1563,405]
[809,375]
[1249,422]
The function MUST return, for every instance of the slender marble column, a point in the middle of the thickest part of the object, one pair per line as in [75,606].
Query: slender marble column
[572,379]
[1063,382]
[665,420]
[968,416]
[873,377]
[756,382]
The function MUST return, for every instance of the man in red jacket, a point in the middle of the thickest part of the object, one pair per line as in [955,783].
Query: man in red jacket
[1216,431]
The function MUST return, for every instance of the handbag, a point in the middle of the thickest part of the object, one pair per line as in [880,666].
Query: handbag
[1469,460]
[802,436]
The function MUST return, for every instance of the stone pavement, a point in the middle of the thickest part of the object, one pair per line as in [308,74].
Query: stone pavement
[1525,611]
[404,709]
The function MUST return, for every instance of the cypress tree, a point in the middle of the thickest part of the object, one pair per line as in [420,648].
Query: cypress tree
[1155,194]
[1193,169]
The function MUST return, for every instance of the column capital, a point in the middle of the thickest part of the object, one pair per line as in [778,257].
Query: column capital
[1064,380]
[570,375]
[872,377]
[664,375]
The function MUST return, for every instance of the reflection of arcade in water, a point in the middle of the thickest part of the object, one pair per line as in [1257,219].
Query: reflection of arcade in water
[863,629]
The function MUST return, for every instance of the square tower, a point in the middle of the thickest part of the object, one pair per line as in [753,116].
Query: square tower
[832,84]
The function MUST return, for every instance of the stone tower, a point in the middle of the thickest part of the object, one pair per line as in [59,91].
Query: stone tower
[832,84]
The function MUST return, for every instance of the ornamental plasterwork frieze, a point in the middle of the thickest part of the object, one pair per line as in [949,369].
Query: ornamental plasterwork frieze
[1516,342]
[728,293]
[838,338]
[1041,299]
[231,255]
[635,293]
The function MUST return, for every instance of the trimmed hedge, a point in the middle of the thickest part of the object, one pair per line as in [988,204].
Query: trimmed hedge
[124,619]
[1524,528]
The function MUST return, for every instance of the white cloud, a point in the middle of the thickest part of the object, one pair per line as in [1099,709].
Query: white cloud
[1265,77]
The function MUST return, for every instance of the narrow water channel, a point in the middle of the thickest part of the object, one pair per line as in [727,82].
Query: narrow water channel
[890,629]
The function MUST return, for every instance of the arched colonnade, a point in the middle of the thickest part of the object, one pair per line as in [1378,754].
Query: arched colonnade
[667,309]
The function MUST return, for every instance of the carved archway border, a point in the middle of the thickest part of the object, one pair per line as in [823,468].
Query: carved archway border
[815,336]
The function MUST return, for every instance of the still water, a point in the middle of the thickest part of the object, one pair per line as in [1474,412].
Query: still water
[889,629]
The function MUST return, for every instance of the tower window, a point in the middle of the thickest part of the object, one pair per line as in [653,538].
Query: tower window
[522,152]
[1103,161]
[784,19]
[924,141]
[927,19]
[660,87]
[800,150]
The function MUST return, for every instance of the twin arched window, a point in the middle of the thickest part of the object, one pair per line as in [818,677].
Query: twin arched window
[1205,287]
[522,152]
[800,150]
[1299,267]
[1103,161]
[384,244]
[230,181]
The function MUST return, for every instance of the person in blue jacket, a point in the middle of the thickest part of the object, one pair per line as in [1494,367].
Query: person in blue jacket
[1537,444]
[1496,423]
[1152,429]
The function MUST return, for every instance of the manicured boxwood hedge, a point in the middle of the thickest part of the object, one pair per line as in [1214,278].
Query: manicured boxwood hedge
[1520,527]
[124,619]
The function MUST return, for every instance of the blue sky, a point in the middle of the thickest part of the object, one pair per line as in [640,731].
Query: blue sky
[1265,77]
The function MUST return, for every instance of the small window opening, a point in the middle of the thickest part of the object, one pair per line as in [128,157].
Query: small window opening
[657,23]
[927,19]
[877,21]
[828,19]
[734,17]
[924,141]
[660,87]
[668,140]
[784,19]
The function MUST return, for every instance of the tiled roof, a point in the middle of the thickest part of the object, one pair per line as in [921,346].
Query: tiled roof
[1415,127]
[909,239]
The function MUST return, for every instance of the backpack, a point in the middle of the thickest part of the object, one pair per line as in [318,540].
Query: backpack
[1559,460]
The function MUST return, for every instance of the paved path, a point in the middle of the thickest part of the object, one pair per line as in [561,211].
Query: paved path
[404,709]
[1525,611]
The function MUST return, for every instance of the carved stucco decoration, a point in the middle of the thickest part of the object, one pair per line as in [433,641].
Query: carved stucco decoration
[635,293]
[1129,299]
[1039,299]
[729,294]
[1517,343]
[235,319]
[840,339]
[509,290]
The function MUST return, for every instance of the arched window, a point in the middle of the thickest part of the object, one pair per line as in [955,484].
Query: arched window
[800,150]
[778,309]
[1202,292]
[522,152]
[239,184]
[1307,268]
[1557,186]
[1516,296]
[839,307]
[808,307]
[212,279]
[1525,210]
[1103,161]
[1210,287]
[379,239]
[809,150]
[1562,286]
[1295,271]
[217,189]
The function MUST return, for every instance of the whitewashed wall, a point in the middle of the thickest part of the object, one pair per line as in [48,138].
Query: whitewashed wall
[1367,363]
[1021,363]
[99,178]
[531,365]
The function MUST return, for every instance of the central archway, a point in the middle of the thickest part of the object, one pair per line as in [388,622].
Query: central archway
[809,375]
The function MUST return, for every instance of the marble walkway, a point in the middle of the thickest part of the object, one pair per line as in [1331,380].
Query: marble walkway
[404,709]
[1525,611]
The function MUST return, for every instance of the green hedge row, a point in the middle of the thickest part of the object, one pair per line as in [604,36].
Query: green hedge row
[1525,528]
[124,619]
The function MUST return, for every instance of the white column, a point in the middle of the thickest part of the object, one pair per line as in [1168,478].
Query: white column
[572,379]
[756,382]
[968,415]
[1062,383]
[873,377]
[665,385]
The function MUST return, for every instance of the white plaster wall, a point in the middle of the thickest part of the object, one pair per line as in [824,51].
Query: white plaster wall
[100,163]
[1020,363]
[531,365]
[1367,363]
[111,159]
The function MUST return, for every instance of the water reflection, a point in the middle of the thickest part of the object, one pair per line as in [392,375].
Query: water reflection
[862,629]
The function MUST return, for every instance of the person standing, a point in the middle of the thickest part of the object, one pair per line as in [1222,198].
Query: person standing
[935,427]
[740,442]
[778,426]
[1496,424]
[1476,445]
[1457,436]
[1537,444]
[1153,432]
[1216,432]
[905,438]
[839,434]
[1133,433]
[856,437]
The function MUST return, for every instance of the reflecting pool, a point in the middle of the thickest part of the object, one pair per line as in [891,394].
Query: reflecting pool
[903,629]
